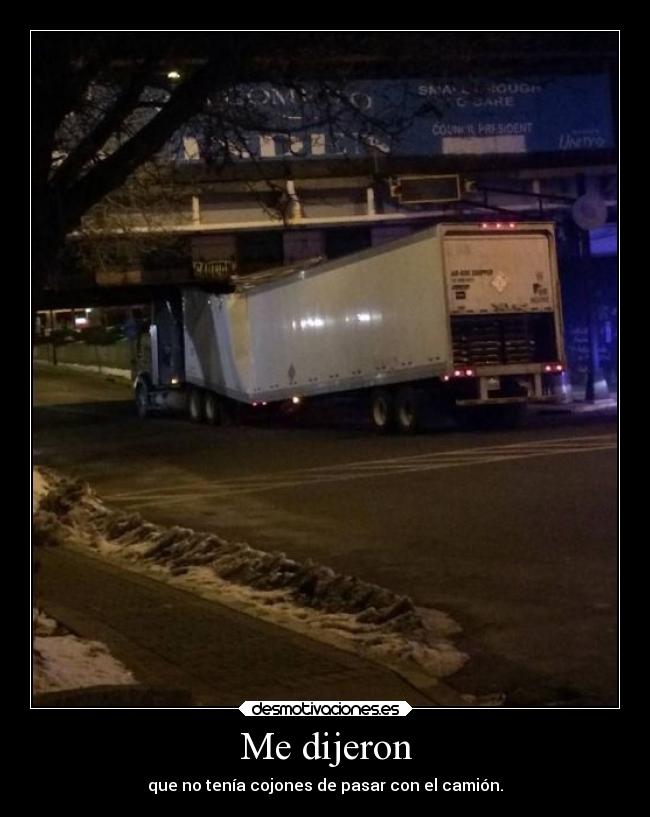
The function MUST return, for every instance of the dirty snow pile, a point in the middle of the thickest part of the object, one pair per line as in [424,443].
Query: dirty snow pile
[60,659]
[39,488]
[305,596]
[63,661]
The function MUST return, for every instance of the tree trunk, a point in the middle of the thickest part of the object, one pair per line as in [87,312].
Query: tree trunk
[48,242]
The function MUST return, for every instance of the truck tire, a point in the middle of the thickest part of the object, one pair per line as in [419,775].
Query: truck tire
[196,406]
[382,411]
[407,410]
[213,409]
[142,400]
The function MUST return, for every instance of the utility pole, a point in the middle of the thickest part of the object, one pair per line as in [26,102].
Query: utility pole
[594,373]
[593,352]
[53,336]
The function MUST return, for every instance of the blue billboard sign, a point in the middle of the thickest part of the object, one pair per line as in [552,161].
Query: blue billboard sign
[412,118]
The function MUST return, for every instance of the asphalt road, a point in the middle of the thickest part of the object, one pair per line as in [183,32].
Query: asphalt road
[514,534]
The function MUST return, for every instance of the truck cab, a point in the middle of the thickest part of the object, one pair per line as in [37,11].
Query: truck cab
[159,373]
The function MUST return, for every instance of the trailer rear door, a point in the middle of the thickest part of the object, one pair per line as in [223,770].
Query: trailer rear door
[499,273]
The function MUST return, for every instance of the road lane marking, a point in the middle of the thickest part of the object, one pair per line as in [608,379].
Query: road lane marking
[431,461]
[477,453]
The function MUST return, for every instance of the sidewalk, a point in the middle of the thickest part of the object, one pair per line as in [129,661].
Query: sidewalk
[581,407]
[171,639]
[578,404]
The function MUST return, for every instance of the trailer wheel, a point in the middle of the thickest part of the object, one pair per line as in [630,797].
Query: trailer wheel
[382,410]
[213,410]
[196,407]
[407,410]
[142,400]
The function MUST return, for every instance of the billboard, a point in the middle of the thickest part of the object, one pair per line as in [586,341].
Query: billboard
[416,118]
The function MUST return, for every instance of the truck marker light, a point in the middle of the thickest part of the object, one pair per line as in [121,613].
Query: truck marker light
[469,372]
[295,399]
[458,373]
[446,378]
[548,368]
[511,225]
[558,368]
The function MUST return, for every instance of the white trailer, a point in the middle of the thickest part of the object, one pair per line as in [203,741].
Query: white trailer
[466,314]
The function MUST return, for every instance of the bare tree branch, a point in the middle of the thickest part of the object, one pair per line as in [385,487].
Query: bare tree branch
[109,124]
[116,168]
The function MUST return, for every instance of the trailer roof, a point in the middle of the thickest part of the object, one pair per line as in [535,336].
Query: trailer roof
[272,274]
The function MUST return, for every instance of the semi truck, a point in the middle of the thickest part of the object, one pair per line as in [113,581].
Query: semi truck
[465,317]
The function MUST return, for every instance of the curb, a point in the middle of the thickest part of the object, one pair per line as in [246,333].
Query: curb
[123,696]
[578,407]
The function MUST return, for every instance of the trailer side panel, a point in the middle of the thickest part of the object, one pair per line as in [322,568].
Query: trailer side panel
[381,318]
[217,342]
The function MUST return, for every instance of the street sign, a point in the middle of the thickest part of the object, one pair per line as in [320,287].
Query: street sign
[213,270]
[589,211]
[425,189]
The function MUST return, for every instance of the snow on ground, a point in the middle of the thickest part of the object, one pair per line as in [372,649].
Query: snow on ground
[39,488]
[63,661]
[60,659]
[124,374]
[308,597]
